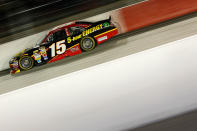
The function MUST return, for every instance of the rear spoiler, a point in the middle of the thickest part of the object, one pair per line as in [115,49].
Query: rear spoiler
[85,22]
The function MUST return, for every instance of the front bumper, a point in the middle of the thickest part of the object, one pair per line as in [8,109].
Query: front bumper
[15,71]
[14,66]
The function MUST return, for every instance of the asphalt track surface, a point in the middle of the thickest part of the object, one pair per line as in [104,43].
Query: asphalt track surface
[185,122]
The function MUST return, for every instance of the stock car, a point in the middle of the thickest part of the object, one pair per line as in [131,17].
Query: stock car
[65,40]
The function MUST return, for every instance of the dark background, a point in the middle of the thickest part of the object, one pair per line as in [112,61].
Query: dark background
[19,15]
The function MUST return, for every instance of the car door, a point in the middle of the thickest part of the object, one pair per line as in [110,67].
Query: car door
[58,44]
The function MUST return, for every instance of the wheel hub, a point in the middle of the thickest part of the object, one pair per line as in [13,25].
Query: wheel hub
[26,63]
[87,44]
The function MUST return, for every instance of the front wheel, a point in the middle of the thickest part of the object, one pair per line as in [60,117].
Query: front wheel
[26,62]
[87,43]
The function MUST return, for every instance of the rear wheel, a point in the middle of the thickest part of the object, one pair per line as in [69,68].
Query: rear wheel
[87,43]
[26,62]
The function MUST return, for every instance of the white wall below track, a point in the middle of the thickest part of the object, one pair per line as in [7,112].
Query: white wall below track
[124,93]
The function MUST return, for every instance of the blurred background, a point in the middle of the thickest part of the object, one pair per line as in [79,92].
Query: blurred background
[19,15]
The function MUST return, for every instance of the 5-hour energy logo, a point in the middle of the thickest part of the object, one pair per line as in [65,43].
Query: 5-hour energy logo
[87,32]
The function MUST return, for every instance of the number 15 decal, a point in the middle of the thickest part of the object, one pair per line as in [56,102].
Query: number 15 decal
[58,48]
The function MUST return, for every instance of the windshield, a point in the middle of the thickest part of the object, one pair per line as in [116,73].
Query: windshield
[40,41]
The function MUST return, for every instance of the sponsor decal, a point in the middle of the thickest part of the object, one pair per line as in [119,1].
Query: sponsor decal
[106,24]
[87,32]
[93,29]
[73,49]
[37,56]
[102,38]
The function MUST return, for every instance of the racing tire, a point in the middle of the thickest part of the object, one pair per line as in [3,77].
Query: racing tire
[87,43]
[26,62]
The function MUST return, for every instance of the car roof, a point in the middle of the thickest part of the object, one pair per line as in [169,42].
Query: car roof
[67,25]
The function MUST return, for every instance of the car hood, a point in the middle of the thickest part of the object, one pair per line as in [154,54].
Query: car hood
[23,52]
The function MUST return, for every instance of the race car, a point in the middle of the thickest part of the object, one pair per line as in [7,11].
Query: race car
[65,40]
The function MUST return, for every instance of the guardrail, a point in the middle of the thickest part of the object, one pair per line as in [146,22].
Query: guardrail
[151,12]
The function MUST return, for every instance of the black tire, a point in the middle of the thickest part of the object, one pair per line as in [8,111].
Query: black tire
[87,43]
[26,62]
